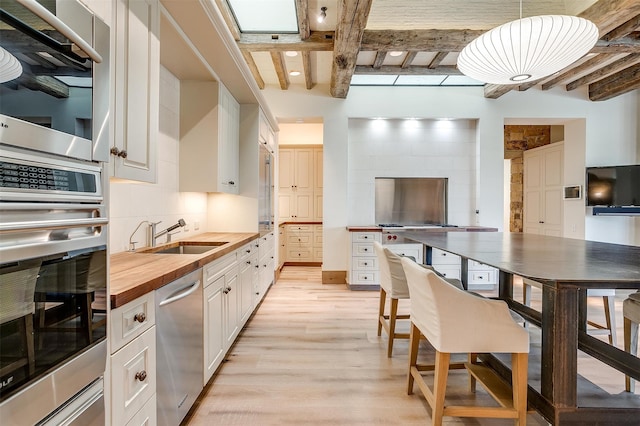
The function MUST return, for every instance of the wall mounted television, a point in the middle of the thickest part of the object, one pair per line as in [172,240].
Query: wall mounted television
[613,186]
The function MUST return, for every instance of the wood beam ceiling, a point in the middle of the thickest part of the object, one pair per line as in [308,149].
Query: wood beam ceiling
[616,84]
[352,19]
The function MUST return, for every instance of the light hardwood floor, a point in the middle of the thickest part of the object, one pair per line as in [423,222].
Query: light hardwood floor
[311,356]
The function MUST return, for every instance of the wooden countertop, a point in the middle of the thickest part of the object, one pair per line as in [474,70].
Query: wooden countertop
[134,274]
[375,228]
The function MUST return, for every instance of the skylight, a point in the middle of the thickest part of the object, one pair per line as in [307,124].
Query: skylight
[265,16]
[413,80]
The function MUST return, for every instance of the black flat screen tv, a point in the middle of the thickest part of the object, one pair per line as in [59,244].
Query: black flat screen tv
[614,186]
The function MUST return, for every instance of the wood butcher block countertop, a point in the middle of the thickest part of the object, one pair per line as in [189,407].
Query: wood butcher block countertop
[134,274]
[376,228]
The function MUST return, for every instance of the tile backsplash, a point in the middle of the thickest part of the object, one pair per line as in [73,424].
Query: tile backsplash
[134,202]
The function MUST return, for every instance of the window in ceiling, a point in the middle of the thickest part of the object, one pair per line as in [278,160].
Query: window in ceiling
[413,80]
[265,16]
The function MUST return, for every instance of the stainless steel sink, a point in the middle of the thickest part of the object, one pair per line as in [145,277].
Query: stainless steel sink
[187,248]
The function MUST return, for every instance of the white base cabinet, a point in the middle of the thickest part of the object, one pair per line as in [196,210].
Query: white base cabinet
[133,362]
[363,262]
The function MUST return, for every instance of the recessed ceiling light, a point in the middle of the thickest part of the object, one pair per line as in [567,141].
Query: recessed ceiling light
[291,53]
[395,53]
[294,73]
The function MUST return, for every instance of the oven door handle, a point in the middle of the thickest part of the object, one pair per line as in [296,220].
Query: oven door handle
[60,26]
[53,224]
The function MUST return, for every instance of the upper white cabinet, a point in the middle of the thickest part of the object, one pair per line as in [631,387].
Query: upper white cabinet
[137,74]
[209,138]
[300,184]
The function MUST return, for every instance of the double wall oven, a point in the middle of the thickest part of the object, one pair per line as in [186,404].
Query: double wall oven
[54,109]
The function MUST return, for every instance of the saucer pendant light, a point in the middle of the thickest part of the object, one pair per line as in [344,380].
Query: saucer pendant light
[10,67]
[527,49]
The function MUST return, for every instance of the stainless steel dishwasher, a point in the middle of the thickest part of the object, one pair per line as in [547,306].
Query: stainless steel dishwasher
[179,347]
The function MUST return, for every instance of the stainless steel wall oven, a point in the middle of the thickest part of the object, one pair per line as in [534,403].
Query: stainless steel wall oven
[53,282]
[54,138]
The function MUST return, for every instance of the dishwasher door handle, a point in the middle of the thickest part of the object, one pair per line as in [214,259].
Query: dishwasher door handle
[181,293]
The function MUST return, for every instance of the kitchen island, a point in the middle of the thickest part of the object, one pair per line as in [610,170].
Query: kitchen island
[566,268]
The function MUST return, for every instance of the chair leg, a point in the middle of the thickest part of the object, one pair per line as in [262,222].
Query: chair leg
[414,343]
[383,299]
[610,318]
[392,326]
[473,359]
[631,346]
[440,386]
[519,366]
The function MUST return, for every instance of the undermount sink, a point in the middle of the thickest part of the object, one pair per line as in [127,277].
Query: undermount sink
[188,248]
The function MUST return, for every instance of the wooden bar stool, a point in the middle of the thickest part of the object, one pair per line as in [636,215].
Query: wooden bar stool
[456,321]
[394,285]
[631,313]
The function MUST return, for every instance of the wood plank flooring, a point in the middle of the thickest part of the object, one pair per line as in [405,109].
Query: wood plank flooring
[311,356]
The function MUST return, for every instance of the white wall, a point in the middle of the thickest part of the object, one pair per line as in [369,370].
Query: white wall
[133,202]
[609,123]
[300,134]
[411,148]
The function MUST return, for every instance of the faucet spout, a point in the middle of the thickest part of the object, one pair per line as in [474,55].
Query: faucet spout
[155,236]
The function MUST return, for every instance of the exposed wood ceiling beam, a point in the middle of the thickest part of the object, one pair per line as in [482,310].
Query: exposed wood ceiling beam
[44,83]
[628,44]
[352,19]
[302,10]
[248,58]
[494,91]
[623,30]
[377,63]
[411,55]
[437,59]
[573,72]
[281,69]
[227,15]
[317,41]
[616,84]
[616,66]
[306,66]
[608,14]
[411,70]
[420,40]
[527,86]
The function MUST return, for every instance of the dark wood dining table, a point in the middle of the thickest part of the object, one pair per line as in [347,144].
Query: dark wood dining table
[566,268]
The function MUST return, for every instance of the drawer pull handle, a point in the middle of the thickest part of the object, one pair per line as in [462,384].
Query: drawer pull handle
[141,317]
[366,264]
[366,250]
[248,262]
[141,376]
[365,237]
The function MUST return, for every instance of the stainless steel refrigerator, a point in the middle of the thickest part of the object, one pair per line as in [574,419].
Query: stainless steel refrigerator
[266,191]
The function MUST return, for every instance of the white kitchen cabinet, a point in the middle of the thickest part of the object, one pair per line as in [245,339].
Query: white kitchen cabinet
[412,250]
[209,138]
[299,243]
[266,135]
[136,83]
[316,244]
[147,416]
[282,245]
[300,184]
[543,190]
[481,276]
[133,377]
[249,269]
[363,262]
[266,253]
[220,310]
[449,265]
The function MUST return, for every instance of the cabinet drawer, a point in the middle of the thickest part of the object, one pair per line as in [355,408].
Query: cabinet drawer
[440,257]
[294,255]
[317,254]
[363,249]
[265,244]
[473,265]
[482,277]
[365,263]
[147,416]
[448,271]
[363,237]
[133,372]
[413,250]
[245,251]
[300,238]
[130,320]
[364,277]
[299,228]
[219,267]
